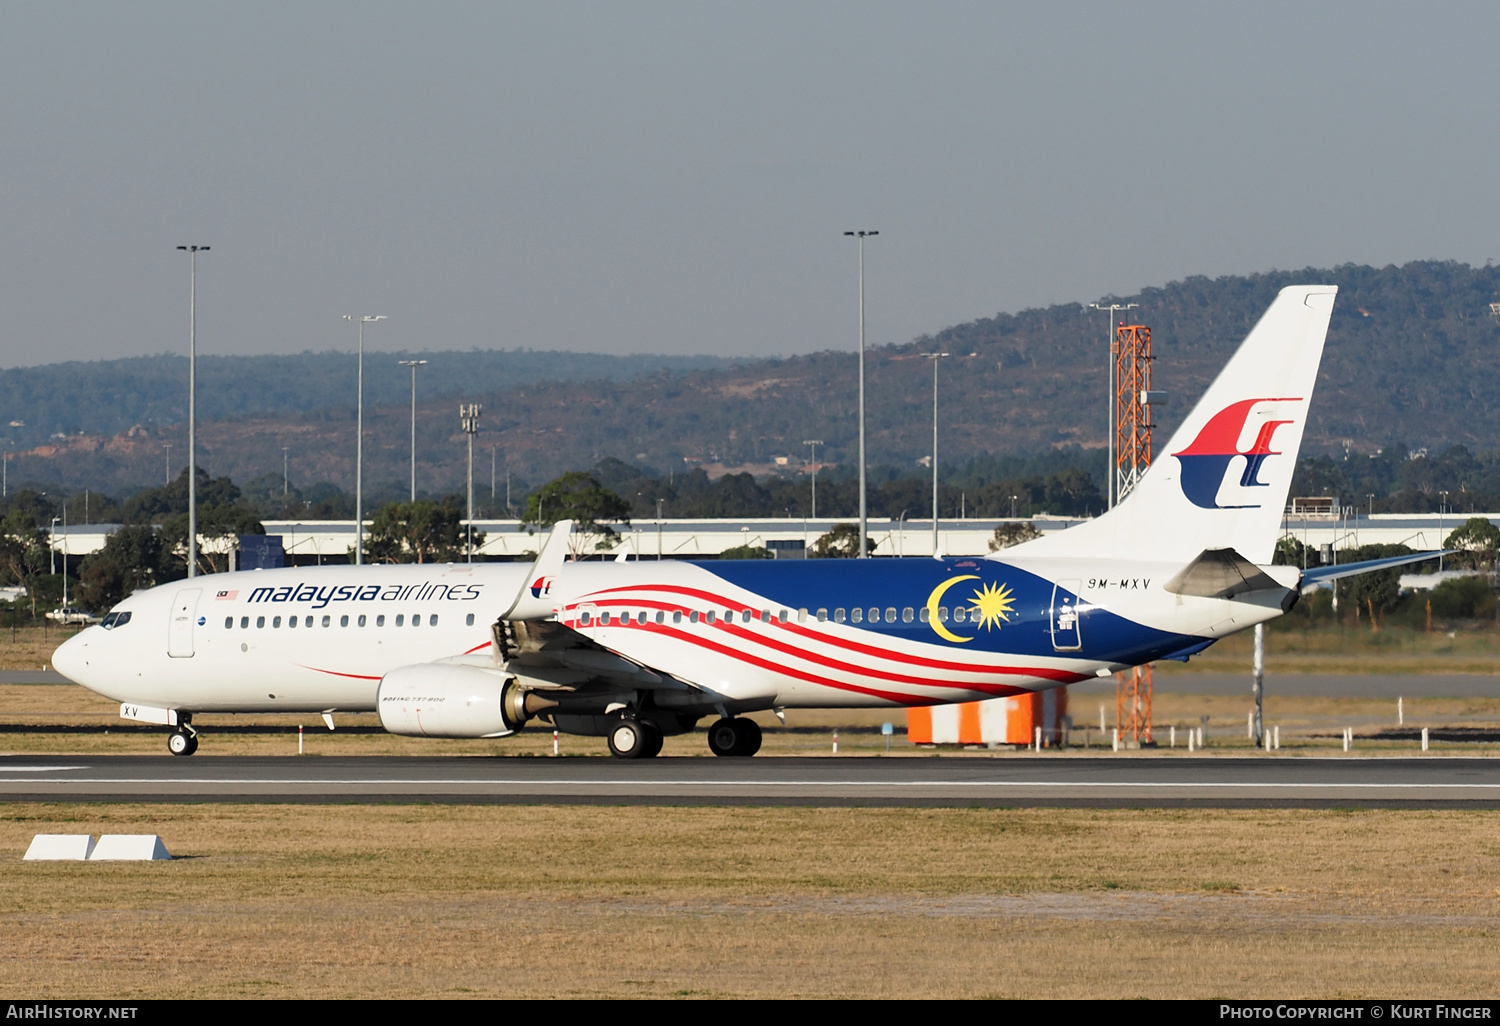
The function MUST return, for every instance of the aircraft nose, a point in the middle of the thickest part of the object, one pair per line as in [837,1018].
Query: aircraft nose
[71,657]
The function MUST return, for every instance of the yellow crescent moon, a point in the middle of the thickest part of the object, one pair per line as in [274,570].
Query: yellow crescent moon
[932,607]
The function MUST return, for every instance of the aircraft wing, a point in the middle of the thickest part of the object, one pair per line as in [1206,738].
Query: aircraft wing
[545,653]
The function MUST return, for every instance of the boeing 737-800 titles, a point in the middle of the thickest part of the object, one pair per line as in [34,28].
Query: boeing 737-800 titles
[635,651]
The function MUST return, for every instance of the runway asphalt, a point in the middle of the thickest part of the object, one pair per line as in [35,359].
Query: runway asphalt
[1268,782]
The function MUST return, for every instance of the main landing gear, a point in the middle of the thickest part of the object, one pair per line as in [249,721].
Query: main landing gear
[737,736]
[631,738]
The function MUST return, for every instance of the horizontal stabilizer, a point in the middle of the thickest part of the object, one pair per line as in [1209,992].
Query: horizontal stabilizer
[1333,573]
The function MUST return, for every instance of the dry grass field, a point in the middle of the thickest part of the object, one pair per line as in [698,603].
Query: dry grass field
[1472,648]
[400,901]
[31,648]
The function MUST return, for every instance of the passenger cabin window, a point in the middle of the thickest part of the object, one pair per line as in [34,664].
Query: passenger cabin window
[228,622]
[765,616]
[361,620]
[838,615]
[711,615]
[676,616]
[260,621]
[923,614]
[344,620]
[291,622]
[823,616]
[745,616]
[890,615]
[908,615]
[400,619]
[276,621]
[307,622]
[328,620]
[380,620]
[469,620]
[856,615]
[432,620]
[583,618]
[693,616]
[244,622]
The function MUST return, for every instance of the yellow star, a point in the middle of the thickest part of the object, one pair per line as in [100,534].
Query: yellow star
[991,604]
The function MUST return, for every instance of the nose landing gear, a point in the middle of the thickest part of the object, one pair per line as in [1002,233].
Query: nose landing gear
[183,740]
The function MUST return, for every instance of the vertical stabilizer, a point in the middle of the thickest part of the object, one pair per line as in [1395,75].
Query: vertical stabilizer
[1222,481]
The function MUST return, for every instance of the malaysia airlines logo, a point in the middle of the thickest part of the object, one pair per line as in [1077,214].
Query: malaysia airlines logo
[1206,461]
[541,586]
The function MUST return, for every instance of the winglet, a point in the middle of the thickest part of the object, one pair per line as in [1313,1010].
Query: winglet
[534,600]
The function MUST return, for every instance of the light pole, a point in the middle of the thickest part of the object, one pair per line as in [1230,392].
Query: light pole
[1013,506]
[359,440]
[934,357]
[864,530]
[52,547]
[284,488]
[192,252]
[813,459]
[1109,487]
[468,417]
[5,475]
[413,364]
[1442,513]
[658,530]
[168,474]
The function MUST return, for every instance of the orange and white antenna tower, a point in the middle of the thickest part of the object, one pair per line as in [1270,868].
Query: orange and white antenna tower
[1133,423]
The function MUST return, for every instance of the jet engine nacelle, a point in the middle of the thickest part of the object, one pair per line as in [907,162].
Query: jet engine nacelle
[449,700]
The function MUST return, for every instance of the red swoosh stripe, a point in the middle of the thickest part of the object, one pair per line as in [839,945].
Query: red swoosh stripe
[827,661]
[1042,672]
[336,673]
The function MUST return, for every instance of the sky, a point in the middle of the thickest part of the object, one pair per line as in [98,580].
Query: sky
[676,177]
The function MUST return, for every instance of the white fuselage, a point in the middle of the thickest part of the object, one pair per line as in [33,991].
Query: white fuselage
[227,643]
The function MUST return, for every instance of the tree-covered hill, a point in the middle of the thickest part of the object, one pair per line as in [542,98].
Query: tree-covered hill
[1413,360]
[108,397]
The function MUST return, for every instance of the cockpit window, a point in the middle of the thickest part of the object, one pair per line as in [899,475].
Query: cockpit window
[113,620]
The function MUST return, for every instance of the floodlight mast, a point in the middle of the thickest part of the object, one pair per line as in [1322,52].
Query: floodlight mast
[813,443]
[468,418]
[413,364]
[864,527]
[359,440]
[934,357]
[1111,497]
[192,252]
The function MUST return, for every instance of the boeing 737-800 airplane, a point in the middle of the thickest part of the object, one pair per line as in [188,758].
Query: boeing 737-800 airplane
[634,651]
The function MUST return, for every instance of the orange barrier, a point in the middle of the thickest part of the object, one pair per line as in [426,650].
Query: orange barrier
[997,721]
